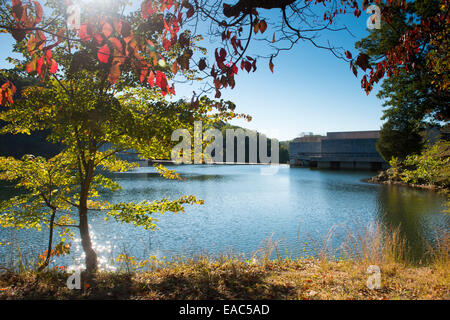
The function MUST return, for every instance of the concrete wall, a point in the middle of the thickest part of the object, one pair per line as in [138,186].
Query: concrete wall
[304,147]
[350,146]
[354,135]
[345,150]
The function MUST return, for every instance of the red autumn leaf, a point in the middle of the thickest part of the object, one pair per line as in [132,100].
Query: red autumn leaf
[98,38]
[248,66]
[175,67]
[223,54]
[107,29]
[31,66]
[234,43]
[83,32]
[271,64]
[161,80]
[202,64]
[273,38]
[240,44]
[256,27]
[53,66]
[363,61]
[117,44]
[190,8]
[190,12]
[234,69]
[143,75]
[217,83]
[151,79]
[180,18]
[7,91]
[262,26]
[348,55]
[31,44]
[354,70]
[48,55]
[166,44]
[166,26]
[114,73]
[147,8]
[40,36]
[40,63]
[103,54]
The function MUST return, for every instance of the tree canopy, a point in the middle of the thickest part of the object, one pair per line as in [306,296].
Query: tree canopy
[155,40]
[412,96]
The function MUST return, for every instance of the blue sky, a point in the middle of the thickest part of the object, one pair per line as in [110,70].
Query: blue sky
[310,91]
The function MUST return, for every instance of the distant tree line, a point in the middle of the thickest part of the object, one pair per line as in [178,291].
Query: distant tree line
[283,145]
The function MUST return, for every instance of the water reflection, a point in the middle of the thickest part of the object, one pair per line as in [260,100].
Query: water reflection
[415,213]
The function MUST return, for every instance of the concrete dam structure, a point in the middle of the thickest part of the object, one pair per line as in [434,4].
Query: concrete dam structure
[338,150]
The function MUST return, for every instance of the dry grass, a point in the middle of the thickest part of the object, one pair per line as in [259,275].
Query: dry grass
[206,279]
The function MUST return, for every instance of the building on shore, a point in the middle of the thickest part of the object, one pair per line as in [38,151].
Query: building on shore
[338,150]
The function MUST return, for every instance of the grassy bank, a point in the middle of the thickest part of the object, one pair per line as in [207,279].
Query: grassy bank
[233,278]
[236,277]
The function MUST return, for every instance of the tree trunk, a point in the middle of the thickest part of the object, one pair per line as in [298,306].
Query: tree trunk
[50,240]
[91,256]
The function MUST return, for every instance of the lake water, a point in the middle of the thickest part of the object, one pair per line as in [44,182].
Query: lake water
[248,204]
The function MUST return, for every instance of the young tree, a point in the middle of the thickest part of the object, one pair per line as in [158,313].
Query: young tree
[83,122]
[91,99]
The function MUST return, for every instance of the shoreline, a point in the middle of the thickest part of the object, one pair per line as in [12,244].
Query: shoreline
[403,184]
[301,279]
[383,178]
